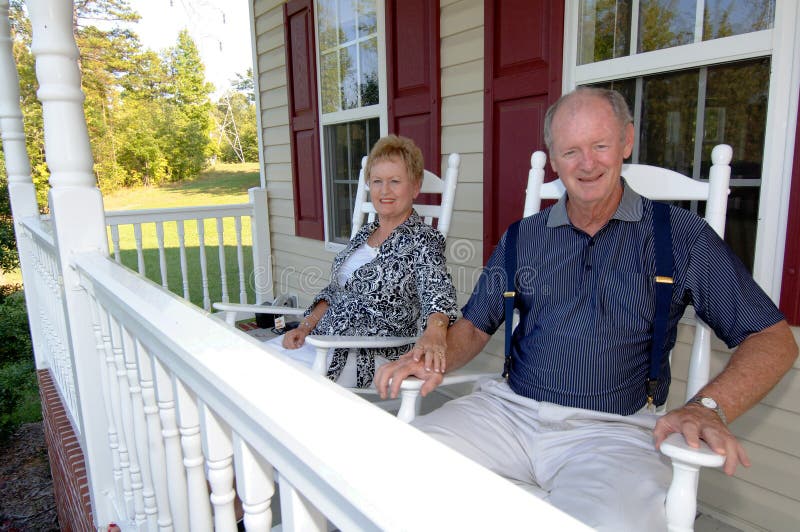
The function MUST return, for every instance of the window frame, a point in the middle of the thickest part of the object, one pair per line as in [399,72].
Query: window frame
[380,111]
[778,43]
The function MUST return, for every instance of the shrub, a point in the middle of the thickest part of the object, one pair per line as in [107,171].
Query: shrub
[15,338]
[19,396]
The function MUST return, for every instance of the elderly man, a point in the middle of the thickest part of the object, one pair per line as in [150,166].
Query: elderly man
[572,417]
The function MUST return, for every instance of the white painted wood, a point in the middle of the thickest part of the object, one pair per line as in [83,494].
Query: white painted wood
[325,445]
[181,230]
[77,213]
[262,246]
[218,450]
[176,472]
[255,483]
[189,427]
[133,417]
[222,266]
[137,236]
[201,244]
[162,257]
[155,446]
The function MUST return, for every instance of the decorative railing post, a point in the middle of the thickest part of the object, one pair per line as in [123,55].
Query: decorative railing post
[20,186]
[262,248]
[78,225]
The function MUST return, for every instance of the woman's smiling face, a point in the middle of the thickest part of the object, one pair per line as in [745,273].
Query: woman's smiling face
[392,190]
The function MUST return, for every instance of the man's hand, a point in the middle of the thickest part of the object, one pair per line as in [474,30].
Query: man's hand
[389,376]
[697,423]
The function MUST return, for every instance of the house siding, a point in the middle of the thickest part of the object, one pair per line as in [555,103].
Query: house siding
[765,496]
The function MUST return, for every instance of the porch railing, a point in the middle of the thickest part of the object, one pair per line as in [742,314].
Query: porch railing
[244,227]
[199,414]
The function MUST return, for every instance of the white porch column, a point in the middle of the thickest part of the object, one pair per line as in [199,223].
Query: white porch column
[78,223]
[20,186]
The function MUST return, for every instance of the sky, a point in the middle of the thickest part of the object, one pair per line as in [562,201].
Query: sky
[219,28]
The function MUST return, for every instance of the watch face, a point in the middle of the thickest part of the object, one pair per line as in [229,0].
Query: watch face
[708,402]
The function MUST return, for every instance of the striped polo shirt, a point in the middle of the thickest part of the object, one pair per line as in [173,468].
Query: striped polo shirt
[587,303]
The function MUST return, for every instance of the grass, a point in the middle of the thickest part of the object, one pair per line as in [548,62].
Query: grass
[225,184]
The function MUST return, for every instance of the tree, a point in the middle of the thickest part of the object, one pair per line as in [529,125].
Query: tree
[186,135]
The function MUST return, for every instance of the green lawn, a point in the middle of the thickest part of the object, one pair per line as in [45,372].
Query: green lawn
[225,184]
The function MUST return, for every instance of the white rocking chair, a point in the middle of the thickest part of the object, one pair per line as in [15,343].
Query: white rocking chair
[666,185]
[364,212]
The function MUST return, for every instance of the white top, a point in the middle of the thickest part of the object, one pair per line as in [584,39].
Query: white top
[362,255]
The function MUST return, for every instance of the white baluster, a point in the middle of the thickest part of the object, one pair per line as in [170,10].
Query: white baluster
[237,221]
[162,257]
[182,248]
[297,513]
[121,408]
[255,482]
[222,266]
[218,449]
[201,242]
[176,473]
[136,431]
[155,445]
[115,243]
[137,236]
[189,426]
[107,377]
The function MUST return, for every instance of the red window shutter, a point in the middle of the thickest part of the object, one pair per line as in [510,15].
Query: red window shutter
[790,285]
[523,43]
[412,49]
[301,72]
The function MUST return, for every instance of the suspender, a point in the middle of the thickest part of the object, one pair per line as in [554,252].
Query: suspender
[662,240]
[511,290]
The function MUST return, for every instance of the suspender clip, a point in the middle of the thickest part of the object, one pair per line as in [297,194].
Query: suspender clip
[651,392]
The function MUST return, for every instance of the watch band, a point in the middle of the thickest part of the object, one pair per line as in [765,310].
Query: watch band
[708,402]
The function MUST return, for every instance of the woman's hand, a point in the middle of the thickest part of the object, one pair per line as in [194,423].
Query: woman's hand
[295,338]
[432,345]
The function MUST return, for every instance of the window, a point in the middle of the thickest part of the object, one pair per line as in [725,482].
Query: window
[697,73]
[352,100]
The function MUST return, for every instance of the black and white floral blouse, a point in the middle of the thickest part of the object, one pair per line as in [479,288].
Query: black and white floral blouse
[392,295]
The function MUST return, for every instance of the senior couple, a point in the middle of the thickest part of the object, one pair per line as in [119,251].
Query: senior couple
[571,416]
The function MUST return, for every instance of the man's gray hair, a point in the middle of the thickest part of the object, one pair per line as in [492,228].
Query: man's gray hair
[618,105]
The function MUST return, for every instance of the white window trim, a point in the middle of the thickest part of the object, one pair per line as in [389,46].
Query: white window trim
[350,114]
[782,43]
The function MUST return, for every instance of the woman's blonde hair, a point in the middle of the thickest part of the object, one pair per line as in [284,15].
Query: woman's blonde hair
[396,147]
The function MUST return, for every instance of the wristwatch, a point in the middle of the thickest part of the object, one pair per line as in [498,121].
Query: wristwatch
[710,403]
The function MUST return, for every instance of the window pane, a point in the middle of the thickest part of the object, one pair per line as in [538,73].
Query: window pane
[368,55]
[347,20]
[345,145]
[724,18]
[367,19]
[667,130]
[348,64]
[735,114]
[326,26]
[605,28]
[665,23]
[329,72]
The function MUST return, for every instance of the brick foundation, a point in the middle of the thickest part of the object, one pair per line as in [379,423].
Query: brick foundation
[70,483]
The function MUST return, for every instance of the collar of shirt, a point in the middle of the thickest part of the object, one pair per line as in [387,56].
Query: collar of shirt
[629,209]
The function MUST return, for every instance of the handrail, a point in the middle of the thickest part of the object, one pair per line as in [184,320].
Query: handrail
[242,410]
[168,214]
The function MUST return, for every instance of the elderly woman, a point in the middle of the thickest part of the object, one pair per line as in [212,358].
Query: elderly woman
[388,281]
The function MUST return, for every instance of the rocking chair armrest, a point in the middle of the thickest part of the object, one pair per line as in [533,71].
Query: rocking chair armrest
[676,448]
[318,340]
